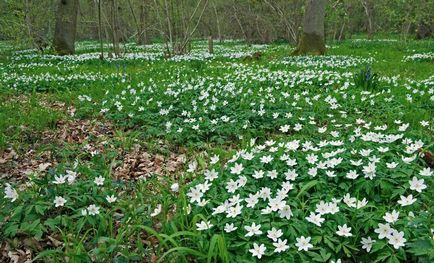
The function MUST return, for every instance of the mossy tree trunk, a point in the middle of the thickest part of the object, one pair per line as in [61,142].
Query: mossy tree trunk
[66,27]
[311,40]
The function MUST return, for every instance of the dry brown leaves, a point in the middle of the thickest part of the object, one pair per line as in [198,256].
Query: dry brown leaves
[14,166]
[139,164]
[22,249]
[92,136]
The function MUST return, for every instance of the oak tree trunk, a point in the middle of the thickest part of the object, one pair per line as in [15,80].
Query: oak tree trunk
[66,27]
[312,37]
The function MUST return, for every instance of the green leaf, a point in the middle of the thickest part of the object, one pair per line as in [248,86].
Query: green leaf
[46,253]
[379,245]
[422,247]
[306,187]
[11,230]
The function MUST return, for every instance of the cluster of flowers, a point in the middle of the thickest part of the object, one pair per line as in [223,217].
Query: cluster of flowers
[133,52]
[50,80]
[327,61]
[68,178]
[262,193]
[268,99]
[429,56]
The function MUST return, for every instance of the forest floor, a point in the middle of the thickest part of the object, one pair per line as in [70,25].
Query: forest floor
[244,154]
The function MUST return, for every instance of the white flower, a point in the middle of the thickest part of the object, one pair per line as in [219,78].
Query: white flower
[284,128]
[397,239]
[367,243]
[71,176]
[232,186]
[344,231]
[230,227]
[291,175]
[195,194]
[192,167]
[426,172]
[204,225]
[417,185]
[312,158]
[409,159]
[280,245]
[352,174]
[383,231]
[272,174]
[174,187]
[253,230]
[111,199]
[266,159]
[258,251]
[156,211]
[315,219]
[211,175]
[361,203]
[234,211]
[409,200]
[350,201]
[303,243]
[84,212]
[285,212]
[93,210]
[424,123]
[59,179]
[10,193]
[214,159]
[237,169]
[312,171]
[99,180]
[274,234]
[391,217]
[59,201]
[258,174]
[391,165]
[322,208]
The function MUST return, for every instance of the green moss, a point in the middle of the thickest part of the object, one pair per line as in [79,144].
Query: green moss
[312,44]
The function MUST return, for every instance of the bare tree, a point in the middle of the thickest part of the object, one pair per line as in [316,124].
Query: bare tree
[143,36]
[219,33]
[66,27]
[368,7]
[312,37]
[101,56]
[178,25]
[289,25]
[114,15]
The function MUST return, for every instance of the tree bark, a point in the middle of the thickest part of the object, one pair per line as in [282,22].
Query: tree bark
[367,6]
[210,45]
[66,27]
[115,27]
[312,37]
[143,35]
[101,47]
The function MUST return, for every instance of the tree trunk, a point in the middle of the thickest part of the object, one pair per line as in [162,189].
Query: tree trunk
[66,27]
[115,27]
[367,6]
[218,23]
[143,36]
[312,37]
[101,47]
[210,45]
